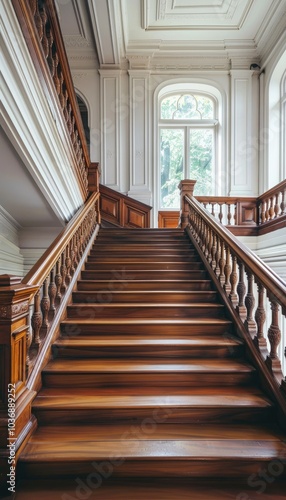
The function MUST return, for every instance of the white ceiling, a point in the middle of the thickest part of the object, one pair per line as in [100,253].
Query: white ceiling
[152,33]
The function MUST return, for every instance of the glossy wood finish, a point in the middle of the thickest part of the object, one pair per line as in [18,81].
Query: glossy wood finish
[148,370]
[243,216]
[122,211]
[167,489]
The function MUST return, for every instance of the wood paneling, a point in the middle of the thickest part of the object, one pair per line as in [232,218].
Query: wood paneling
[123,211]
[168,219]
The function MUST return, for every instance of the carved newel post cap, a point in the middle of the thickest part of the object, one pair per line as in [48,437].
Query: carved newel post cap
[9,280]
[187,186]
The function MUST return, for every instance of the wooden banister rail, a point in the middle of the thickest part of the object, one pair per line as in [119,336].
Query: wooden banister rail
[30,311]
[272,208]
[236,270]
[40,25]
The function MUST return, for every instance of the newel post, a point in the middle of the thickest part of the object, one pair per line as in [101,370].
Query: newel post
[15,398]
[186,187]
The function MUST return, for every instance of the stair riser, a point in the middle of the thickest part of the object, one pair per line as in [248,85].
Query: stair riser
[138,286]
[148,266]
[143,247]
[123,274]
[135,416]
[143,352]
[163,253]
[137,259]
[107,296]
[171,467]
[74,329]
[131,379]
[157,312]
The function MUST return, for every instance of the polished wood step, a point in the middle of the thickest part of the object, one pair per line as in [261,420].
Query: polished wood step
[124,274]
[145,285]
[148,266]
[108,488]
[130,346]
[74,405]
[163,252]
[146,310]
[134,326]
[151,450]
[110,258]
[166,296]
[127,372]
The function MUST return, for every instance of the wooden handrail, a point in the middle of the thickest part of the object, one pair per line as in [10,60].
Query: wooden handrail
[29,317]
[235,269]
[41,29]
[38,272]
[266,275]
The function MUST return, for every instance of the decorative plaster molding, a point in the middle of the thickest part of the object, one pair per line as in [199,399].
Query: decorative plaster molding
[30,126]
[162,6]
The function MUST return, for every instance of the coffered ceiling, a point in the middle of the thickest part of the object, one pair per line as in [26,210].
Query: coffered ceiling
[154,33]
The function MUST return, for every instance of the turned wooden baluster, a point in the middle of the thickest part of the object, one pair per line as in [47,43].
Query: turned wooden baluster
[45,305]
[274,337]
[233,281]
[52,293]
[217,257]
[58,280]
[262,212]
[229,214]
[220,215]
[72,245]
[33,6]
[276,206]
[38,22]
[206,242]
[227,271]
[45,42]
[271,209]
[63,273]
[282,204]
[267,210]
[210,240]
[222,263]
[241,290]
[260,318]
[56,79]
[37,319]
[68,264]
[250,303]
[213,210]
[213,262]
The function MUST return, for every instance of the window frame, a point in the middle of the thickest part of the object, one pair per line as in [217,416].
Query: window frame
[188,124]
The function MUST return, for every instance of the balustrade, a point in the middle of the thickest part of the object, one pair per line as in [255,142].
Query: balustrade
[237,270]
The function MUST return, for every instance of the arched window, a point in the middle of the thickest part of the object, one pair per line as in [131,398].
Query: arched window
[187,143]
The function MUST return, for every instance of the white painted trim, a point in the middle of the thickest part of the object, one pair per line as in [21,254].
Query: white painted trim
[29,123]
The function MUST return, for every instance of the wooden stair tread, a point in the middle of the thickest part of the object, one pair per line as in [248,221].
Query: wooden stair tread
[107,366]
[218,450]
[75,398]
[142,341]
[168,432]
[144,321]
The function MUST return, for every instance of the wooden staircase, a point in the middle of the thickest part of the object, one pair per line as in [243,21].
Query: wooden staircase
[149,393]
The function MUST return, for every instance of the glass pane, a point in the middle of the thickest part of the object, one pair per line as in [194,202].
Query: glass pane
[201,156]
[172,166]
[168,107]
[187,107]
